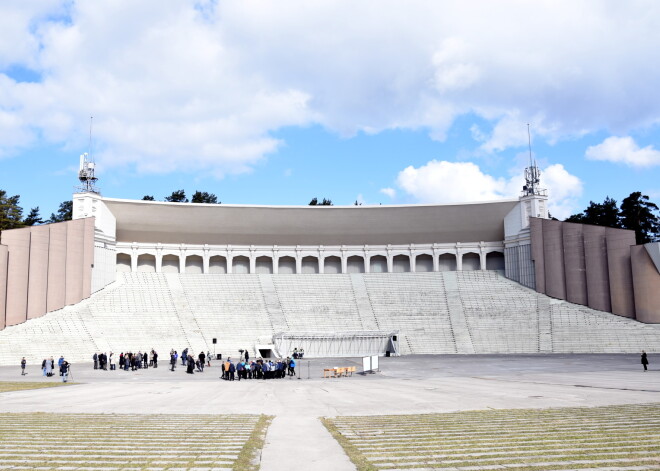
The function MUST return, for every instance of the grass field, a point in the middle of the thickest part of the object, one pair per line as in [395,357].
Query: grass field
[95,441]
[614,437]
[8,386]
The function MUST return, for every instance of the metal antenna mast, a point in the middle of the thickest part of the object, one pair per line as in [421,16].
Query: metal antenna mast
[532,173]
[87,168]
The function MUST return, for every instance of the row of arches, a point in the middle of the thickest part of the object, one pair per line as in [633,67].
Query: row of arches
[240,264]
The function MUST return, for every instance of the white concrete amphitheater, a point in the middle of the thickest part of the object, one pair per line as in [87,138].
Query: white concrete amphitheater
[491,277]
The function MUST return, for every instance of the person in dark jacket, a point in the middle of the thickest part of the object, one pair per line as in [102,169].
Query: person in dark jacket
[191,364]
[95,357]
[23,363]
[64,371]
[202,360]
[232,371]
[645,360]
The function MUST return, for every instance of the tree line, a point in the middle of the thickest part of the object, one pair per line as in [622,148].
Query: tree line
[11,213]
[636,212]
[179,196]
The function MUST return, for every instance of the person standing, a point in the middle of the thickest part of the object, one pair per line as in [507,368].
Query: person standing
[645,360]
[202,360]
[155,359]
[247,356]
[95,357]
[23,363]
[64,371]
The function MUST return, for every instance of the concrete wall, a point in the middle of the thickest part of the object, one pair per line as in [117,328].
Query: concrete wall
[43,268]
[583,264]
[647,285]
[620,271]
[595,255]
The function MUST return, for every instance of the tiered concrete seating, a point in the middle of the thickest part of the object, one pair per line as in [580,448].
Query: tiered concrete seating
[229,308]
[450,312]
[318,303]
[501,317]
[416,305]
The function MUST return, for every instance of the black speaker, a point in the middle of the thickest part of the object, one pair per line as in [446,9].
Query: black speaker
[215,340]
[387,353]
[393,338]
[218,356]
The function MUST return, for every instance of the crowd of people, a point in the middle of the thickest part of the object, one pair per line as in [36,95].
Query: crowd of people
[259,369]
[129,361]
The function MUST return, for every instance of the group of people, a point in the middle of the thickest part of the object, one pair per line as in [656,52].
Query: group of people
[189,361]
[128,360]
[259,369]
[48,367]
[298,354]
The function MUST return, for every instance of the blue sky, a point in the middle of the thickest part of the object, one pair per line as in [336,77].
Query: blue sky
[381,102]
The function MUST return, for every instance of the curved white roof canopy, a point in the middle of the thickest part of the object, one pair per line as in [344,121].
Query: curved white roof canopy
[191,223]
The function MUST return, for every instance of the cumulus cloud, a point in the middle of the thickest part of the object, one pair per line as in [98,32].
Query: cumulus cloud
[201,86]
[391,192]
[456,182]
[624,150]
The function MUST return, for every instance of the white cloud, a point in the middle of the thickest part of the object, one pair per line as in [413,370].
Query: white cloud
[454,182]
[624,150]
[200,86]
[391,192]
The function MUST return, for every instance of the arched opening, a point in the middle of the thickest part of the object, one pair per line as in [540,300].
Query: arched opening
[378,264]
[170,264]
[423,263]
[355,264]
[471,262]
[286,266]
[332,265]
[447,262]
[310,265]
[218,264]
[495,261]
[264,265]
[194,264]
[146,263]
[240,265]
[123,263]
[401,264]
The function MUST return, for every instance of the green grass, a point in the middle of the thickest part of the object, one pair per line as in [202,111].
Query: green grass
[8,386]
[131,441]
[523,439]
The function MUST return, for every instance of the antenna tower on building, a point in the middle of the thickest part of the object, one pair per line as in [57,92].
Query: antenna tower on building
[87,168]
[532,173]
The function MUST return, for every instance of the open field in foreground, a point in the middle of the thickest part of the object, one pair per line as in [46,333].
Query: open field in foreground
[99,441]
[612,437]
[8,386]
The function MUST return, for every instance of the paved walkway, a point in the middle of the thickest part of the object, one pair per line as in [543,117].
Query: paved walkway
[297,440]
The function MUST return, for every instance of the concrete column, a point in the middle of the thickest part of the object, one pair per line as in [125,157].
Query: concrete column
[298,261]
[344,261]
[206,260]
[276,262]
[3,284]
[459,259]
[38,270]
[574,264]
[413,261]
[75,237]
[647,286]
[134,259]
[482,257]
[253,261]
[88,257]
[436,260]
[57,267]
[182,260]
[595,258]
[553,253]
[230,262]
[321,260]
[159,259]
[619,268]
[390,262]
